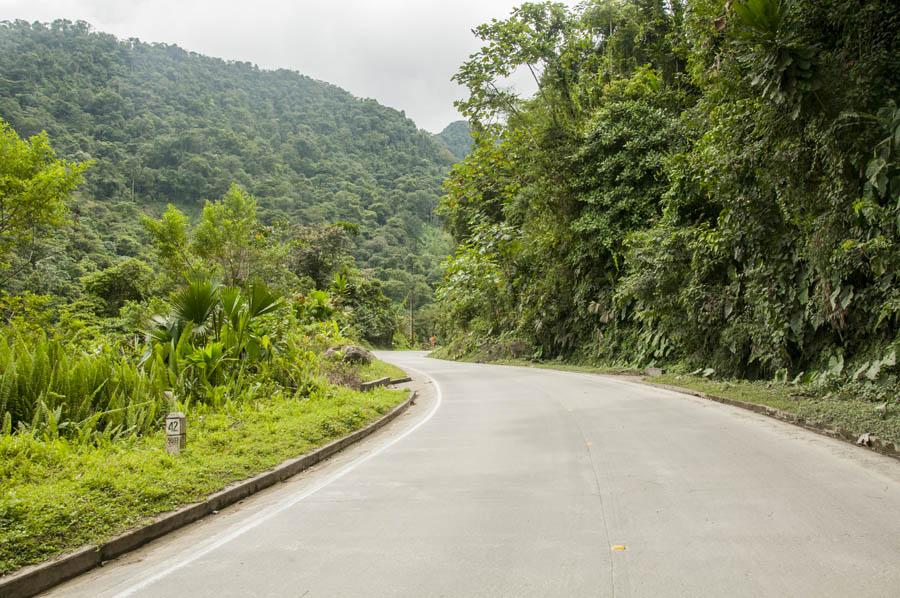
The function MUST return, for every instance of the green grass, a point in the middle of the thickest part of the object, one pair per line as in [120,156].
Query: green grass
[56,496]
[379,369]
[779,396]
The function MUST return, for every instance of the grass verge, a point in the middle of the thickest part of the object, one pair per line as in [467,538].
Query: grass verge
[56,496]
[380,369]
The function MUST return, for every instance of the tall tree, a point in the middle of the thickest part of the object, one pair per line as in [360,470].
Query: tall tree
[35,187]
[228,236]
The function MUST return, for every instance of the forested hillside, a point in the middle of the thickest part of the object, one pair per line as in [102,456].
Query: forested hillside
[711,183]
[162,124]
[457,137]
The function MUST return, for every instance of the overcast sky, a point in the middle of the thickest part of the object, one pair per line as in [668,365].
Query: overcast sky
[400,52]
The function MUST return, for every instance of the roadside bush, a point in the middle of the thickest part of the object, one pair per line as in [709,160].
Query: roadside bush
[51,389]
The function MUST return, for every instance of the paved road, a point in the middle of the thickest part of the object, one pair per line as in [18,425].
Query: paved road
[518,482]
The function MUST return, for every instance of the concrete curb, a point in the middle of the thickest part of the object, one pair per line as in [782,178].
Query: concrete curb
[375,383]
[876,445]
[38,578]
[383,382]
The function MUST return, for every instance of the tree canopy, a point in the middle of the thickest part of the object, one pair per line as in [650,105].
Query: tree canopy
[34,189]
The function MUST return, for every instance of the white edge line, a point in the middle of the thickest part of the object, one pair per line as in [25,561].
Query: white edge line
[218,541]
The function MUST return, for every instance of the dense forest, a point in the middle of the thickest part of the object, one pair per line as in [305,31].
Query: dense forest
[159,125]
[712,184]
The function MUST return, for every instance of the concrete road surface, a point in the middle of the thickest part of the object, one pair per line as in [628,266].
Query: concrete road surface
[507,481]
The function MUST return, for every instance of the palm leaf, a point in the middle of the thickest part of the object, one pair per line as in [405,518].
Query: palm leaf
[196,302]
[262,300]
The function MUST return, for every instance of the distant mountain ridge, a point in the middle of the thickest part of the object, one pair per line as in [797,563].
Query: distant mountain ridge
[457,137]
[168,125]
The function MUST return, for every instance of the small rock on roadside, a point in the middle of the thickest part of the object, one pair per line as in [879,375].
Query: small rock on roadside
[866,439]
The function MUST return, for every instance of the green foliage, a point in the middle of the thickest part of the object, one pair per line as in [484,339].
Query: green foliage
[316,306]
[320,252]
[127,280]
[227,235]
[194,305]
[774,53]
[851,411]
[34,189]
[51,389]
[233,325]
[171,242]
[230,242]
[475,291]
[681,189]
[379,369]
[529,38]
[215,341]
[883,170]
[370,314]
[25,312]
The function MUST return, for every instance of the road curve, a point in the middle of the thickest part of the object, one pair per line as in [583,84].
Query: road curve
[516,482]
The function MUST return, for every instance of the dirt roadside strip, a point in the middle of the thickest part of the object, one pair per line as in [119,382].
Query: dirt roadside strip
[35,579]
[866,441]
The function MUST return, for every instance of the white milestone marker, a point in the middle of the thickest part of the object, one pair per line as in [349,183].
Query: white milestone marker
[176,433]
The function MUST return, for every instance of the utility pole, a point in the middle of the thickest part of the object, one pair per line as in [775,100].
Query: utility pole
[412,338]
